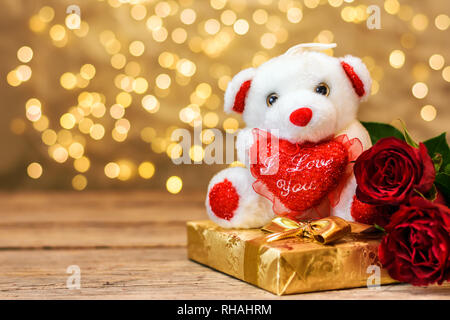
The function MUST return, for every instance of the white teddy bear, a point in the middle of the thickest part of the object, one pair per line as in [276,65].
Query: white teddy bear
[301,101]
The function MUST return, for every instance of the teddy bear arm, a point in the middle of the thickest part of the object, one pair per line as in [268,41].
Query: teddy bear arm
[343,209]
[356,130]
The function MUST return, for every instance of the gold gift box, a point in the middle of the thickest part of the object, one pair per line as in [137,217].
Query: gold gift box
[285,266]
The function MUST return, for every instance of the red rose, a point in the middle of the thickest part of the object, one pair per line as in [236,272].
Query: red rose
[389,172]
[417,246]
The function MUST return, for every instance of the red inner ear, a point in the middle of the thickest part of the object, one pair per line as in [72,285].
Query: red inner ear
[358,85]
[239,100]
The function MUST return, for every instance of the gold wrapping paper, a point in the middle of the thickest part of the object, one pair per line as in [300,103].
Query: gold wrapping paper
[287,266]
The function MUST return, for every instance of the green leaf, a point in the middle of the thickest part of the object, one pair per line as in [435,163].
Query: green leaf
[438,145]
[430,195]
[378,131]
[437,161]
[442,182]
[376,226]
[409,140]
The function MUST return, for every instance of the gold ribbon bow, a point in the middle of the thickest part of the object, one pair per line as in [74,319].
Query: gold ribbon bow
[324,230]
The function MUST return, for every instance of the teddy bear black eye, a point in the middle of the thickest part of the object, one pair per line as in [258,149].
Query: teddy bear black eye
[271,99]
[322,89]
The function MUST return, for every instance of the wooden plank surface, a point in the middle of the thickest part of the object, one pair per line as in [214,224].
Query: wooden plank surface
[128,245]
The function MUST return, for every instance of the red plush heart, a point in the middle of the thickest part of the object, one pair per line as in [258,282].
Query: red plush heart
[306,173]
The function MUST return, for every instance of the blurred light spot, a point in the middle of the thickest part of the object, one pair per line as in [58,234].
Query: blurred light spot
[268,40]
[112,170]
[420,22]
[79,182]
[60,154]
[17,126]
[123,125]
[162,9]
[57,32]
[41,124]
[117,111]
[196,153]
[36,24]
[154,23]
[34,170]
[148,134]
[294,15]
[33,113]
[68,80]
[118,61]
[436,61]
[179,35]
[391,6]
[12,79]
[138,12]
[186,67]
[311,3]
[428,113]
[397,59]
[76,150]
[420,90]
[212,26]
[25,54]
[124,99]
[446,73]
[98,110]
[228,17]
[49,137]
[203,90]
[67,121]
[119,136]
[85,125]
[82,164]
[207,136]
[46,14]
[150,103]
[23,73]
[87,71]
[97,131]
[174,184]
[218,4]
[188,16]
[230,125]
[146,170]
[442,22]
[137,48]
[241,26]
[126,171]
[140,85]
[163,81]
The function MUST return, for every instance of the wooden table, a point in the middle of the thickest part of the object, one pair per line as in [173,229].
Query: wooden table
[128,245]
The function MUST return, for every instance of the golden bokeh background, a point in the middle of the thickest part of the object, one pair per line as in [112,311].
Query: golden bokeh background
[94,107]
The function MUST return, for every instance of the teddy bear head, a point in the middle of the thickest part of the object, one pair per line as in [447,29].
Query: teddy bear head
[305,95]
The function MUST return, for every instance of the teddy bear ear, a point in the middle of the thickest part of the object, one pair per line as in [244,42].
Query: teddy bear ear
[357,73]
[237,90]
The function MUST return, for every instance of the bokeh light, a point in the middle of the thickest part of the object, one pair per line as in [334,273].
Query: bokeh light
[174,184]
[34,170]
[102,101]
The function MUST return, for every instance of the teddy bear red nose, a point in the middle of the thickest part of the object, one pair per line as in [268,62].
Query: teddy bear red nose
[301,117]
